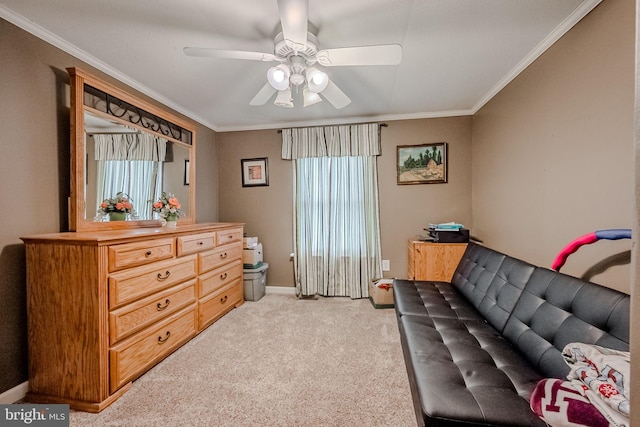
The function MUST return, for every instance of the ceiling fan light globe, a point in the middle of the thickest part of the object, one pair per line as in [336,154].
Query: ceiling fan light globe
[310,97]
[317,80]
[284,99]
[278,77]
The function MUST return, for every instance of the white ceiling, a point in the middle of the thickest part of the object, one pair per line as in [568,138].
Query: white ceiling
[457,54]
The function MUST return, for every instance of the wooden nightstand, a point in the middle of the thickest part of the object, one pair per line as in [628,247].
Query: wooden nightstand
[433,261]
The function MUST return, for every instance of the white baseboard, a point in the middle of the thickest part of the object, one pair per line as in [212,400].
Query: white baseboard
[288,290]
[14,394]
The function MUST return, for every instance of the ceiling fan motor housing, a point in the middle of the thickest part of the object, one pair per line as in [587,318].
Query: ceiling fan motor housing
[296,60]
[283,51]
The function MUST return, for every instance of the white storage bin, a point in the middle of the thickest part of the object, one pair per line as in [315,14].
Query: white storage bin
[255,282]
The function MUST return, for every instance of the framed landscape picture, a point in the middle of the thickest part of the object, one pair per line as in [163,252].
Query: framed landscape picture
[255,172]
[422,164]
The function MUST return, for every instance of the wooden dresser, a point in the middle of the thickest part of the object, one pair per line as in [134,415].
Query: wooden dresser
[433,261]
[105,306]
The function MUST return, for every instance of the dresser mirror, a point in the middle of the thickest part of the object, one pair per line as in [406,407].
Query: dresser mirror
[124,147]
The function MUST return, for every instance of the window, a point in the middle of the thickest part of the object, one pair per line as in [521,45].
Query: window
[337,237]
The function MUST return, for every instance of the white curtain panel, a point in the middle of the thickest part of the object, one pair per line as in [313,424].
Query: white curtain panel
[132,164]
[336,215]
[130,146]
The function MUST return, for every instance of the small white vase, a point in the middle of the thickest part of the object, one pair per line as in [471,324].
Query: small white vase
[171,224]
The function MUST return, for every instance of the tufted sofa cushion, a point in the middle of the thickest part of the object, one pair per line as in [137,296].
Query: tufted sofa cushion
[494,298]
[476,270]
[460,368]
[556,309]
[432,299]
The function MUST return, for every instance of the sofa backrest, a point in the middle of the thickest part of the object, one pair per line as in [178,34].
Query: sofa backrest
[492,282]
[555,309]
[476,270]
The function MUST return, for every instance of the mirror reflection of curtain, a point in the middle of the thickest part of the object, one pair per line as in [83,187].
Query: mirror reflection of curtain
[130,163]
[336,215]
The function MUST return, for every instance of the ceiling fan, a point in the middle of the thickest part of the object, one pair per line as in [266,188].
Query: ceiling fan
[297,51]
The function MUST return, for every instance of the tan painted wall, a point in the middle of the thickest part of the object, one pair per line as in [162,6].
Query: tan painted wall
[266,211]
[34,118]
[553,151]
[404,209]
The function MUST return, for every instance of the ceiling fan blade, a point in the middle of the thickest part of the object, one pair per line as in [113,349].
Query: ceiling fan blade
[228,54]
[387,54]
[263,95]
[335,96]
[293,17]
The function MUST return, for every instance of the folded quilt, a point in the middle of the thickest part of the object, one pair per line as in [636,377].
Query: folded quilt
[596,393]
[561,404]
[604,377]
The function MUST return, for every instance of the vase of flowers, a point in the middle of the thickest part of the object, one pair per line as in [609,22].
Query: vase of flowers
[117,207]
[168,209]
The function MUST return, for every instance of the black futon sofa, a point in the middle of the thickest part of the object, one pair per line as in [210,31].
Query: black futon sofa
[475,348]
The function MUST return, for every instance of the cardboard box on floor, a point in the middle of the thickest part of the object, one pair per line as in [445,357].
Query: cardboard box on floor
[381,293]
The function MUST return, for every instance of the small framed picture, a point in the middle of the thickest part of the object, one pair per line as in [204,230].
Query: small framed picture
[187,172]
[255,172]
[422,164]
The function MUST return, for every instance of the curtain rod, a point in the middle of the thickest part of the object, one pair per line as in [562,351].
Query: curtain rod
[384,125]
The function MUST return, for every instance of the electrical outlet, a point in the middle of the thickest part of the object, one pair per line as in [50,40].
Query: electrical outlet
[385,265]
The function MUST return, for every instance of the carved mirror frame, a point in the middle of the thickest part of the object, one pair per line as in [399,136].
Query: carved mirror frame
[90,94]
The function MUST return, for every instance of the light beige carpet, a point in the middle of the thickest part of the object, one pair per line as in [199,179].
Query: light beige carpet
[279,361]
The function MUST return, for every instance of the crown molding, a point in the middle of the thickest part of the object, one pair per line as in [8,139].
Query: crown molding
[60,43]
[348,120]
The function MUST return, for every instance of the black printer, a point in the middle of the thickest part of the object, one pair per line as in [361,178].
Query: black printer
[448,233]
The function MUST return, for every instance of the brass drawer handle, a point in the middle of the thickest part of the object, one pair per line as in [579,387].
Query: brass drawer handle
[147,254]
[224,255]
[224,299]
[162,307]
[162,340]
[200,243]
[223,276]
[166,276]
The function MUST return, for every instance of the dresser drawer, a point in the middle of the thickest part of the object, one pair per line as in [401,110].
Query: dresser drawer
[224,237]
[128,285]
[219,256]
[140,253]
[215,305]
[135,355]
[218,278]
[133,317]
[196,243]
